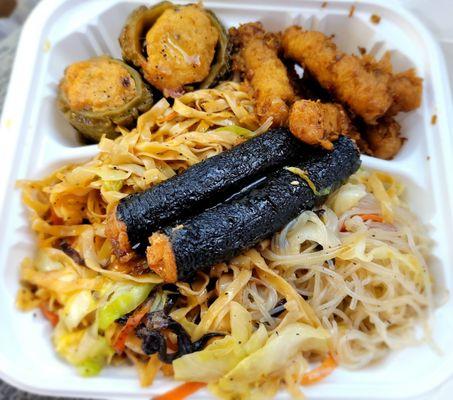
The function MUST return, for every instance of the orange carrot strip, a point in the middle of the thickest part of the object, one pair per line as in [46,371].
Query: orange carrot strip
[131,323]
[366,217]
[181,392]
[49,315]
[319,373]
[169,117]
[371,217]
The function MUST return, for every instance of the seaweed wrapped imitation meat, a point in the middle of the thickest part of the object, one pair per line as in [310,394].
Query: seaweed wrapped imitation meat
[222,232]
[201,186]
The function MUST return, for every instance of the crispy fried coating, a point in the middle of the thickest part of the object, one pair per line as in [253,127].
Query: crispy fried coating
[313,50]
[363,88]
[407,90]
[180,46]
[406,87]
[258,61]
[384,139]
[97,85]
[318,123]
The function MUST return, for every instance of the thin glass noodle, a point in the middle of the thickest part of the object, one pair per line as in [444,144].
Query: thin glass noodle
[349,279]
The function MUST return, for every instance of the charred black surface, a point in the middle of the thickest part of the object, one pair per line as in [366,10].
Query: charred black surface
[220,233]
[205,184]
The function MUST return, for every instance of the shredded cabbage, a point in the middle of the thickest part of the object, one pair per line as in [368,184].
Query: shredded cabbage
[349,278]
[124,299]
[83,348]
[239,365]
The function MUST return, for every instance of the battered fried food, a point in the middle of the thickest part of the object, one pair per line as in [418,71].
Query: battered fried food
[384,139]
[363,88]
[180,47]
[258,60]
[318,123]
[407,92]
[406,87]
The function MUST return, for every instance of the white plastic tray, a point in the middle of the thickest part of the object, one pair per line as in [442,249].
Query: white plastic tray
[36,139]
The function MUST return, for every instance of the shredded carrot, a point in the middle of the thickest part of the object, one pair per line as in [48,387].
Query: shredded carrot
[366,217]
[371,217]
[49,315]
[169,117]
[181,392]
[319,373]
[131,323]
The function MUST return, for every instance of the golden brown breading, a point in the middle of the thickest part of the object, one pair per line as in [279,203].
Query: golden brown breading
[316,123]
[312,49]
[384,138]
[180,46]
[258,61]
[97,85]
[406,87]
[363,88]
[407,90]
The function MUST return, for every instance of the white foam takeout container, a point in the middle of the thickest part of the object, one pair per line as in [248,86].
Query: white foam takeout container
[36,139]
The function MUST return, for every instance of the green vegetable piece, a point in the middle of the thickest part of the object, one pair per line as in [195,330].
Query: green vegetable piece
[127,300]
[221,63]
[90,368]
[114,186]
[302,174]
[238,130]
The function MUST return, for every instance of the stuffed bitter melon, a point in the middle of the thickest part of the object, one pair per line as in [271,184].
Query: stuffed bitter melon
[176,46]
[98,94]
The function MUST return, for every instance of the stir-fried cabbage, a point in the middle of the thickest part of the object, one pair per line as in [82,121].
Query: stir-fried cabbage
[346,197]
[124,299]
[239,365]
[350,276]
[83,348]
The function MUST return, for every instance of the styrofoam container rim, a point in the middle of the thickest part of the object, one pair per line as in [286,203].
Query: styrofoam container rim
[28,145]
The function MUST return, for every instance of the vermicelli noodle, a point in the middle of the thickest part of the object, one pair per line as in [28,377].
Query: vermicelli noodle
[347,281]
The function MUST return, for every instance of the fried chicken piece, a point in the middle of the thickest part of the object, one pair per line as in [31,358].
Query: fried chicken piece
[258,60]
[384,138]
[407,90]
[318,123]
[363,88]
[180,47]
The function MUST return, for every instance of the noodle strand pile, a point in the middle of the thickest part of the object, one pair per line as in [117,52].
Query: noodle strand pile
[344,283]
